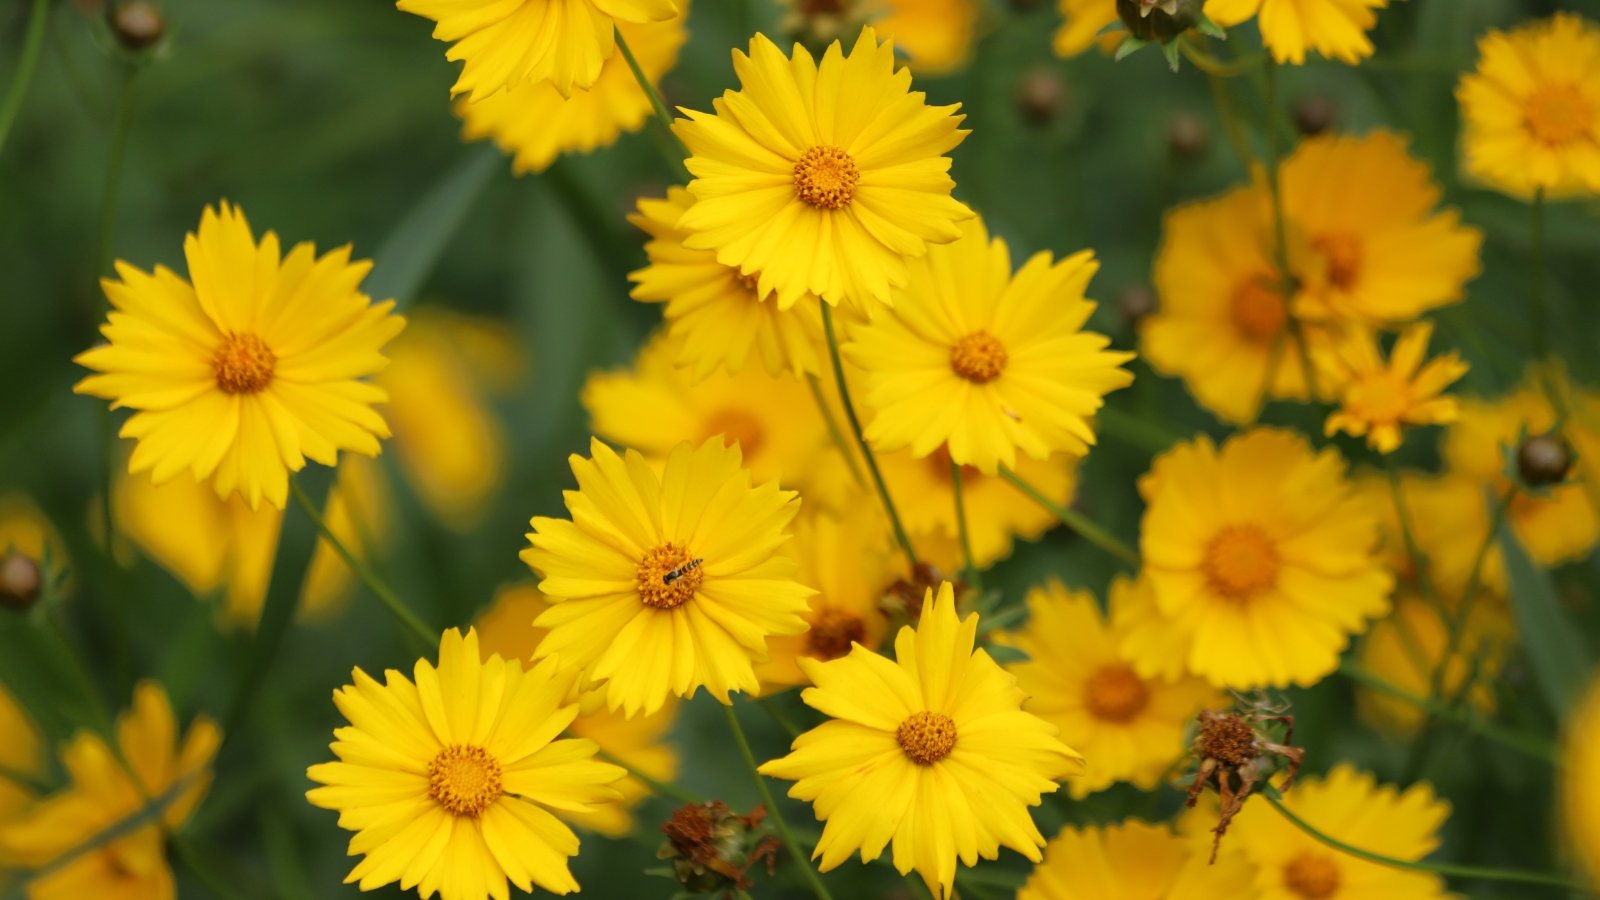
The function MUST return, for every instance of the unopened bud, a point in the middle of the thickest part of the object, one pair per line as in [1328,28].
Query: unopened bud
[1315,114]
[20,579]
[1040,94]
[1159,20]
[1187,136]
[1136,301]
[1544,460]
[138,24]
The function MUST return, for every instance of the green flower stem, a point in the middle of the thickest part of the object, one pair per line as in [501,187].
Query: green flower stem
[836,435]
[1536,301]
[1528,745]
[799,855]
[1280,225]
[855,427]
[970,572]
[657,104]
[32,44]
[1419,561]
[1077,521]
[659,788]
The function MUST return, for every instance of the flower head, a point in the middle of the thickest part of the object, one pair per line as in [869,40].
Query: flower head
[1406,647]
[21,754]
[242,375]
[1448,521]
[1336,29]
[1135,861]
[1378,398]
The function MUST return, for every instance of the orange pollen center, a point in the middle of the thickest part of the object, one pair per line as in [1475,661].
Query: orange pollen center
[1559,114]
[243,364]
[1240,562]
[1115,694]
[464,780]
[749,282]
[668,577]
[736,425]
[1379,397]
[832,632]
[1311,875]
[826,177]
[1227,738]
[1342,254]
[926,737]
[1257,309]
[979,357]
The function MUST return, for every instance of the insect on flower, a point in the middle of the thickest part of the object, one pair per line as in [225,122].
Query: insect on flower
[681,571]
[1240,745]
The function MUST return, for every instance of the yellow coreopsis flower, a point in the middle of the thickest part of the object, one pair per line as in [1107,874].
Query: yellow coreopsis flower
[1406,647]
[21,754]
[507,43]
[449,781]
[935,35]
[932,752]
[1261,558]
[241,376]
[1136,861]
[109,786]
[1084,22]
[666,580]
[821,177]
[985,362]
[1448,521]
[1580,782]
[1352,807]
[1378,398]
[1336,29]
[1531,109]
[1078,678]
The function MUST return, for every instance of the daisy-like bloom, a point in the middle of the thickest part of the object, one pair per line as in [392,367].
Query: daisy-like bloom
[240,376]
[536,123]
[1405,648]
[1378,398]
[508,43]
[449,781]
[1336,29]
[1531,109]
[21,760]
[666,579]
[1084,20]
[638,742]
[984,362]
[821,178]
[1136,861]
[108,786]
[1261,557]
[932,751]
[1580,782]
[715,318]
[1079,679]
[1352,807]
[1448,521]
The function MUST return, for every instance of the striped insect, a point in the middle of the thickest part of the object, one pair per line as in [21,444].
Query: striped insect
[681,571]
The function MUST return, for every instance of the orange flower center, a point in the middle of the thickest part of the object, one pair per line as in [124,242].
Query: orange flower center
[1559,114]
[826,177]
[926,737]
[737,425]
[243,364]
[979,357]
[832,632]
[464,780]
[1240,562]
[1115,694]
[749,282]
[668,576]
[1258,310]
[1342,255]
[1311,875]
[1378,397]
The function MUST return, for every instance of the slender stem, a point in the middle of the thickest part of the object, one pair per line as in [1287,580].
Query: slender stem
[1223,100]
[1419,562]
[971,570]
[1214,67]
[1077,521]
[799,855]
[656,786]
[32,44]
[656,103]
[1536,302]
[855,428]
[1542,750]
[1280,226]
[837,436]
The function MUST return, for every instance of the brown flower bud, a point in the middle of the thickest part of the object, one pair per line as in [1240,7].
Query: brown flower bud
[1188,137]
[1315,114]
[1040,95]
[1136,301]
[1544,460]
[20,579]
[138,24]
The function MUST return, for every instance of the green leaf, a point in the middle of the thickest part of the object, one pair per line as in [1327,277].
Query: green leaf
[1556,653]
[412,249]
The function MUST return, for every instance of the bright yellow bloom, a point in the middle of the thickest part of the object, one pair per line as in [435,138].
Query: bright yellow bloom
[535,123]
[1260,556]
[1405,649]
[821,177]
[1136,861]
[21,753]
[508,43]
[932,751]
[935,35]
[104,791]
[255,367]
[666,579]
[448,782]
[1349,806]
[1580,782]
[1336,29]
[1531,110]
[1448,521]
[985,362]
[1378,398]
[1084,22]
[1078,678]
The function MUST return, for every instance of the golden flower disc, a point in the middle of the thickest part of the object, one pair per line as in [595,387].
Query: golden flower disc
[826,177]
[1114,693]
[1258,310]
[668,577]
[1240,562]
[1311,875]
[979,357]
[464,780]
[243,364]
[737,425]
[832,633]
[1559,114]
[926,737]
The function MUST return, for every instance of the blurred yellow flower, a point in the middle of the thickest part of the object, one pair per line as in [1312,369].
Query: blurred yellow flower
[1084,20]
[1377,398]
[668,578]
[827,204]
[932,751]
[1405,648]
[1579,777]
[1531,110]
[21,754]
[449,781]
[1448,520]
[256,366]
[1261,558]
[935,35]
[1135,861]
[1336,29]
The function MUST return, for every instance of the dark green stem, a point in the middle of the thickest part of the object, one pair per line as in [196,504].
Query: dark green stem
[663,116]
[1077,521]
[1542,750]
[32,44]
[1280,227]
[834,433]
[799,855]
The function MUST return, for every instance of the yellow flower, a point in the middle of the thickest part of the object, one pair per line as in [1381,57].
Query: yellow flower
[821,177]
[104,791]
[21,753]
[448,782]
[505,629]
[666,580]
[1136,861]
[535,123]
[1077,678]
[935,35]
[1580,782]
[1084,22]
[25,530]
[985,362]
[1378,398]
[1531,110]
[714,317]
[507,43]
[1448,520]
[932,751]
[1260,556]
[1405,649]
[1336,29]
[1351,807]
[255,367]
